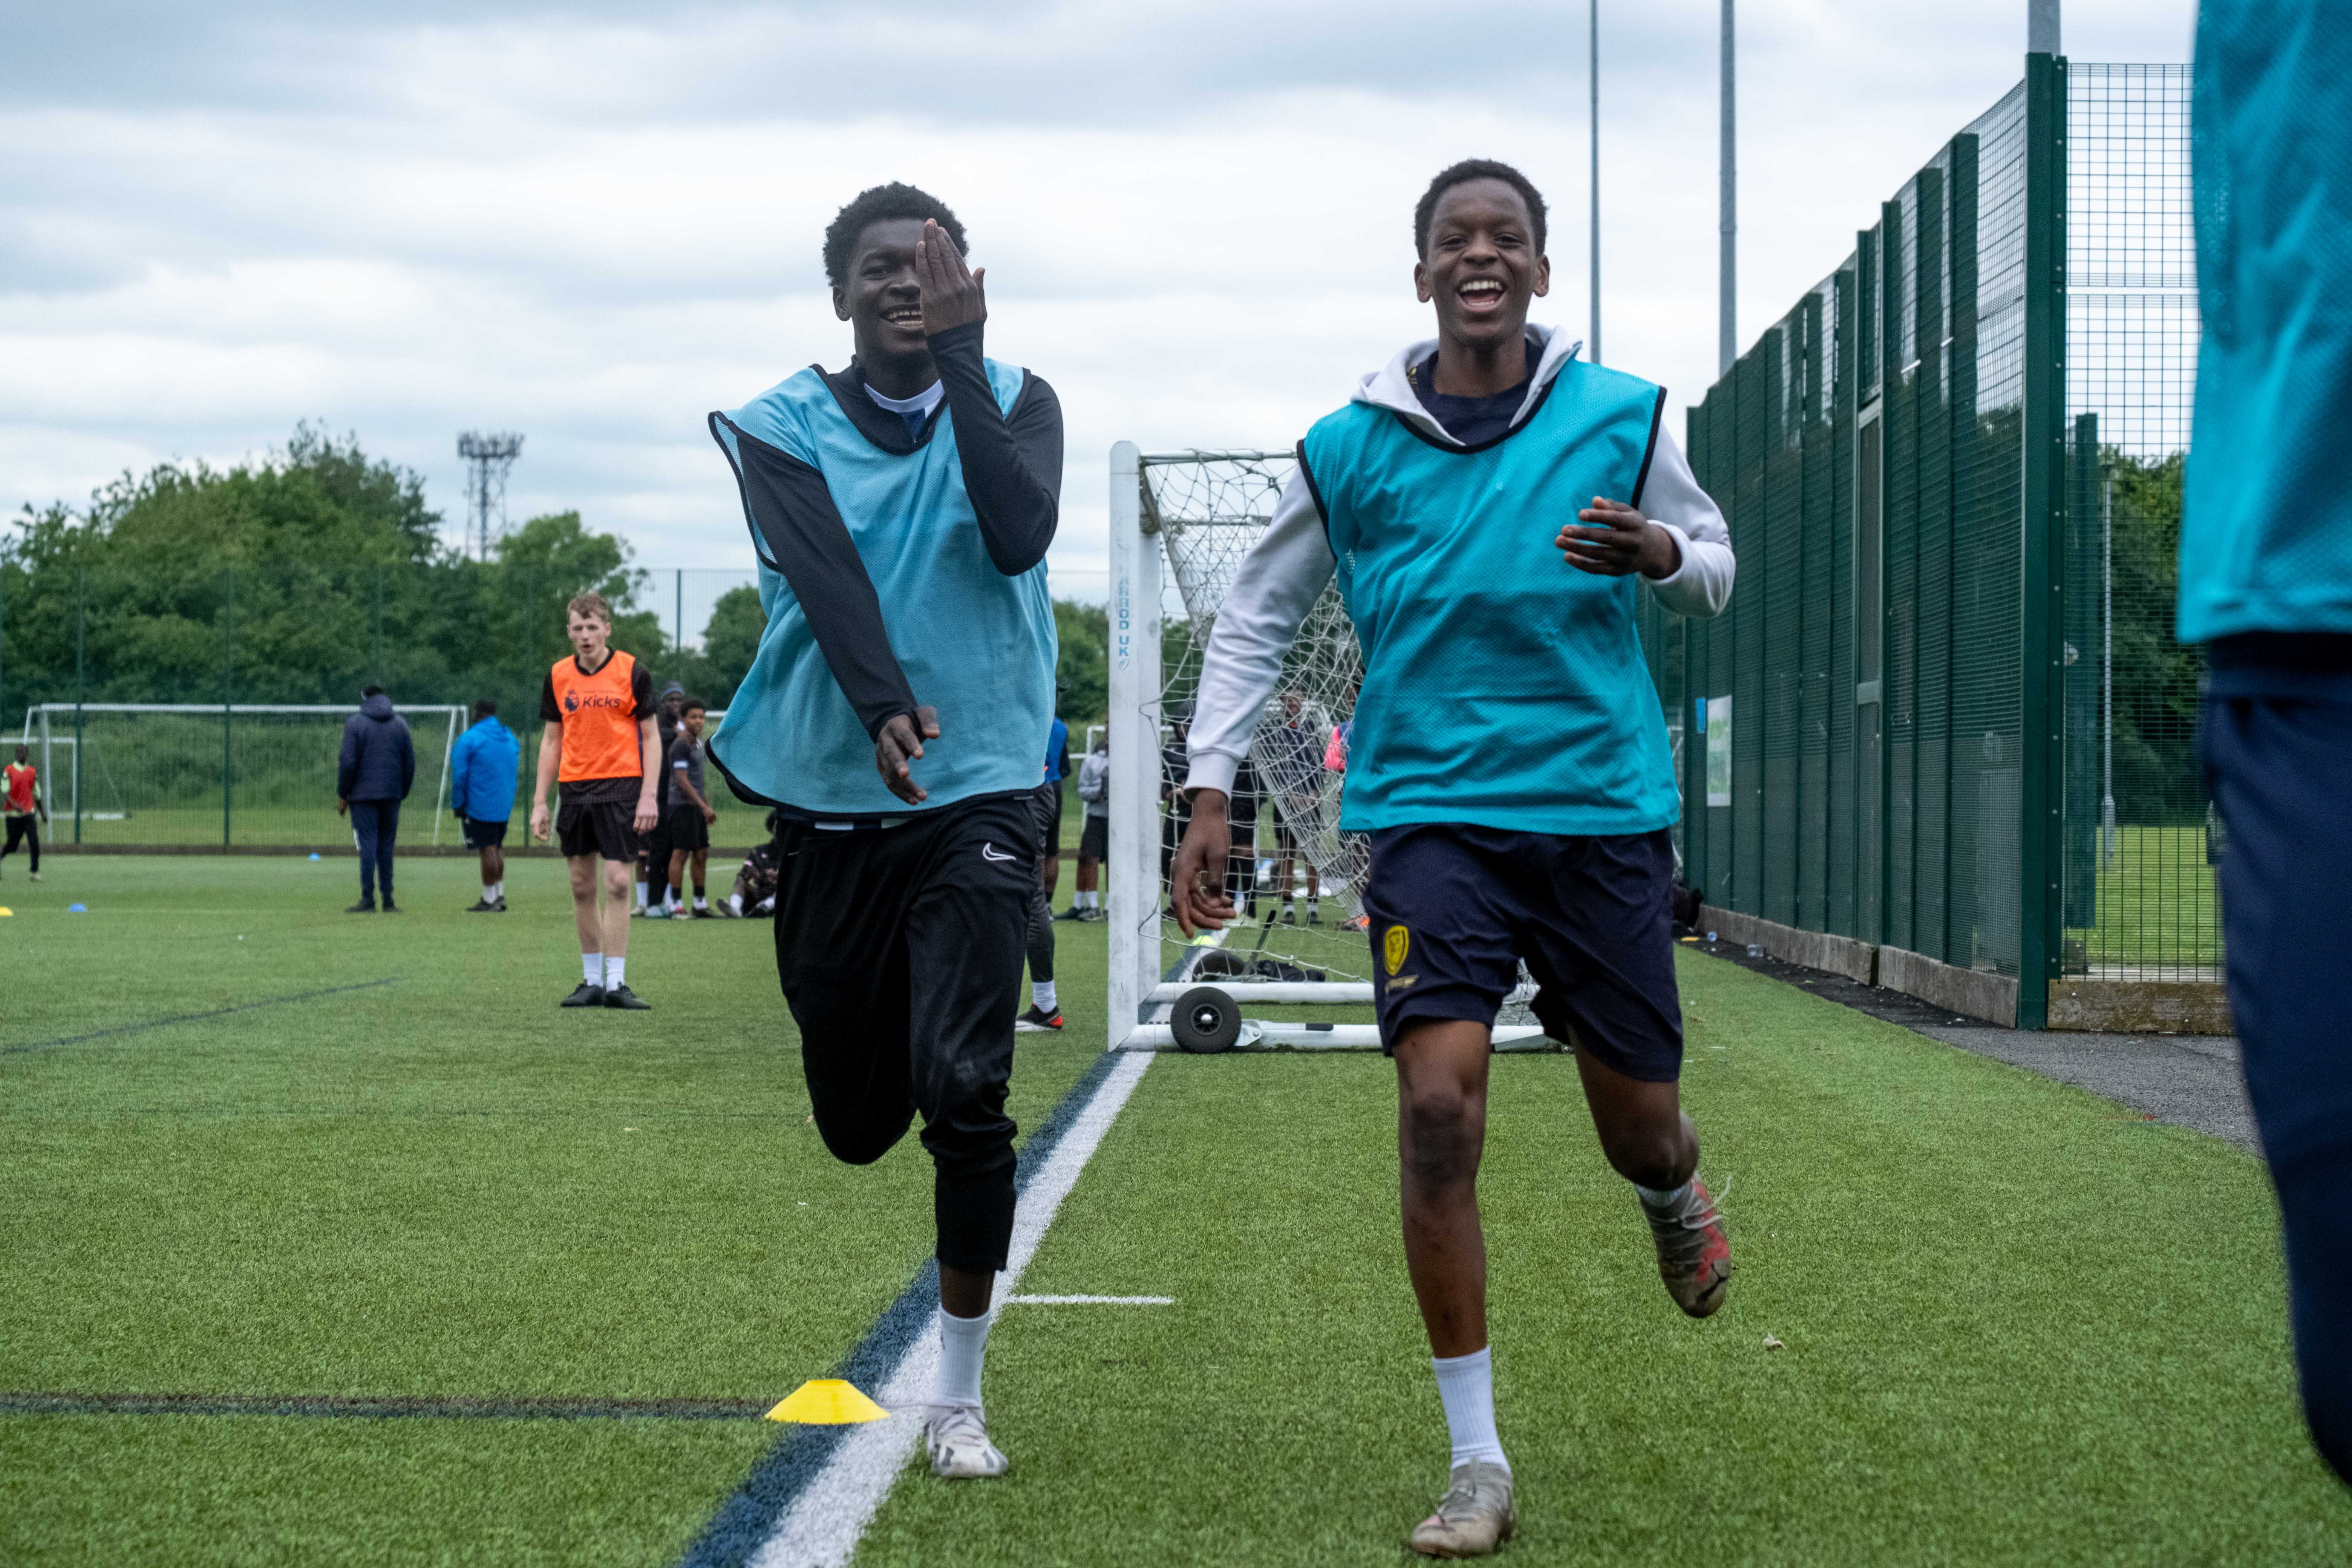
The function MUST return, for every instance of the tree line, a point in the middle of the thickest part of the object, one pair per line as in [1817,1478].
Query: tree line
[306,575]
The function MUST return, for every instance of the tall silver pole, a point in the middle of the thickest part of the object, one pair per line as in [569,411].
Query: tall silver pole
[1592,54]
[2041,27]
[1727,307]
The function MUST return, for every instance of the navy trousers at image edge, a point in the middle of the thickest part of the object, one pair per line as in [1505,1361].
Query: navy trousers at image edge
[375,824]
[2276,768]
[900,953]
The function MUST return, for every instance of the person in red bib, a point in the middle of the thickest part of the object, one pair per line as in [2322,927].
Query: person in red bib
[602,747]
[20,782]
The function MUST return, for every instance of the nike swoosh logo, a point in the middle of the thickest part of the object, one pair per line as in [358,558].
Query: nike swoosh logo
[988,852]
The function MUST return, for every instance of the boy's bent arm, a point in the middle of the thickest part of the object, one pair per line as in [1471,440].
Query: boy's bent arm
[1011,469]
[1273,588]
[1671,497]
[800,533]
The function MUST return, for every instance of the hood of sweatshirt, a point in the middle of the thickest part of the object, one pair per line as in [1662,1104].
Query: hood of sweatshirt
[378,707]
[1389,388]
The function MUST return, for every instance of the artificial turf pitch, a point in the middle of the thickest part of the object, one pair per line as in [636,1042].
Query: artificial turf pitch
[2021,1323]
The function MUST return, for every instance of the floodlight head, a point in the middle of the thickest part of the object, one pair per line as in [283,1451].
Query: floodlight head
[503,447]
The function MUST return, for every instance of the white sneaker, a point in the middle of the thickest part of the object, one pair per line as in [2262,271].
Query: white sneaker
[956,1437]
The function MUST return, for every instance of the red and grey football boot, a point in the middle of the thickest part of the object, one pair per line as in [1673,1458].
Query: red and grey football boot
[1694,1255]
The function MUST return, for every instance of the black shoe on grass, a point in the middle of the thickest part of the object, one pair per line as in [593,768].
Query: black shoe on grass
[1072,913]
[623,997]
[1037,1019]
[360,909]
[482,907]
[585,995]
[390,908]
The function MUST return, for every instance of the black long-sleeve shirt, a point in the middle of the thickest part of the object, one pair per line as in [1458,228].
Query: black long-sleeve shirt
[1011,469]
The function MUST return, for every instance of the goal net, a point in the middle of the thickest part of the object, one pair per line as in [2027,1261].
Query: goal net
[1181,525]
[166,775]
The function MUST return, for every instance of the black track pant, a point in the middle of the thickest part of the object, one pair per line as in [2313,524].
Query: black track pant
[1039,938]
[899,952]
[26,827]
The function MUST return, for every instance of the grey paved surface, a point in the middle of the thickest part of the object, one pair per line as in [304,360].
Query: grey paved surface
[2188,1080]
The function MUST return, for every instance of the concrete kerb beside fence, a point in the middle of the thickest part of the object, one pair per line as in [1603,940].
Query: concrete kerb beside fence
[2078,1004]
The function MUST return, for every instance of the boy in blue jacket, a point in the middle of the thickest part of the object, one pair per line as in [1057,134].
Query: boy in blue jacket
[482,778]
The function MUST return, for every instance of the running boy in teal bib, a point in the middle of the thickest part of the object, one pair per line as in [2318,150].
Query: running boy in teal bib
[1493,507]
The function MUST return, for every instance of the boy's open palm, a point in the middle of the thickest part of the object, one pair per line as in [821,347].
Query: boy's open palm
[953,294]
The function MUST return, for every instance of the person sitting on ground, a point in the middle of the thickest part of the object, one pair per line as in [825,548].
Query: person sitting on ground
[755,880]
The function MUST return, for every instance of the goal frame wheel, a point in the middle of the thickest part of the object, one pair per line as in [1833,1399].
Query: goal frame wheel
[1205,1021]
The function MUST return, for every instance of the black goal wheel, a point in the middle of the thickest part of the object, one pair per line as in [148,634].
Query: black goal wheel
[1205,1021]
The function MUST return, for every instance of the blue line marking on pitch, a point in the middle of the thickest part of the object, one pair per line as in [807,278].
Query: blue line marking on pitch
[745,1521]
[191,1017]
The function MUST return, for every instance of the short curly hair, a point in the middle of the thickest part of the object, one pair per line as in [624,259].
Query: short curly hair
[1462,173]
[878,204]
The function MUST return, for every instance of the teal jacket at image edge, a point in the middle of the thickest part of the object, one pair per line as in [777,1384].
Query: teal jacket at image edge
[977,646]
[1502,686]
[2266,529]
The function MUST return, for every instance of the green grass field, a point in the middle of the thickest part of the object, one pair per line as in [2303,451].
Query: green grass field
[2019,1324]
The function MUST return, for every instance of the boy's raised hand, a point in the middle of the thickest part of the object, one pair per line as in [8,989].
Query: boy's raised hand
[1620,542]
[953,294]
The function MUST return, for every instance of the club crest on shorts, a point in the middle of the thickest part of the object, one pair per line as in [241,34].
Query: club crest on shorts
[1394,946]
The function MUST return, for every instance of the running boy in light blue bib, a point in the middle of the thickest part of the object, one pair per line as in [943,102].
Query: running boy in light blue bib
[1493,507]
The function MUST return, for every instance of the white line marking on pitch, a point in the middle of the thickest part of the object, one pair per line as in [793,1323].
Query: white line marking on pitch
[1089,1300]
[822,1527]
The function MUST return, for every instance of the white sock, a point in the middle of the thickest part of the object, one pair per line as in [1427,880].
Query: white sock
[499,891]
[1664,1202]
[1467,1386]
[641,895]
[591,968]
[735,902]
[1090,899]
[1041,991]
[963,1342]
[700,902]
[489,893]
[616,972]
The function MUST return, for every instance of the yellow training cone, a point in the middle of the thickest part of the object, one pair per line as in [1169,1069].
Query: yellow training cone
[826,1402]
[4,910]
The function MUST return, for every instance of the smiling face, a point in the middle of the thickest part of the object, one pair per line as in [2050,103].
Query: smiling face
[1481,269]
[882,303]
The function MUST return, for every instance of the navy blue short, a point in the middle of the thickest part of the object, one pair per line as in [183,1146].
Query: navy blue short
[1453,907]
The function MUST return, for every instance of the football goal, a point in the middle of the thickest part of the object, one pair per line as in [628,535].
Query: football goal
[1179,525]
[223,776]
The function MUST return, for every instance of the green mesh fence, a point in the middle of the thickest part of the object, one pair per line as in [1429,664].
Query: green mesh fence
[2137,863]
[1945,711]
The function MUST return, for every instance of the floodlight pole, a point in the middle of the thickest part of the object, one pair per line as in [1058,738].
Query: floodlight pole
[1592,60]
[1727,310]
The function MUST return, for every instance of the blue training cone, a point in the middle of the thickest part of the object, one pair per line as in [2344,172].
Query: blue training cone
[77,909]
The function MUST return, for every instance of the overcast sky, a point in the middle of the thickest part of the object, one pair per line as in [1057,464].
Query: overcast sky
[593,223]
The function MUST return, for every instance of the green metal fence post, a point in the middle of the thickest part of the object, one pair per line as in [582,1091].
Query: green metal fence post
[82,685]
[228,700]
[2043,520]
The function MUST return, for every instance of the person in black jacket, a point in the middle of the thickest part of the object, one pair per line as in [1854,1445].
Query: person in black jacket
[378,764]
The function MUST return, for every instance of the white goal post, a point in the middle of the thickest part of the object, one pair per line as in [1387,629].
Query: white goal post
[1179,525]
